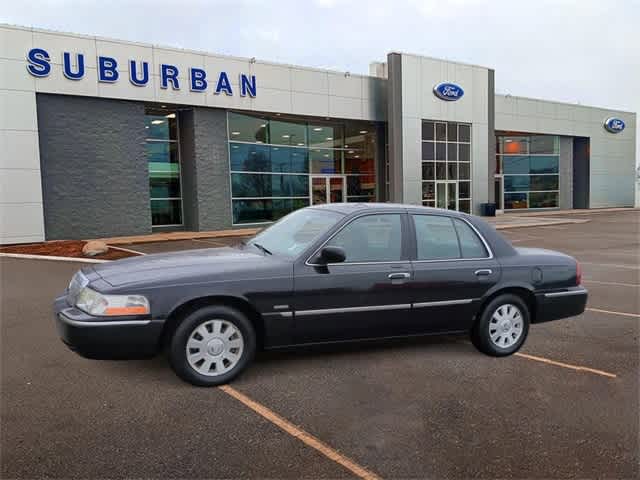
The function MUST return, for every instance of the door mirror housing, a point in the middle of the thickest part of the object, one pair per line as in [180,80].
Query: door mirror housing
[332,255]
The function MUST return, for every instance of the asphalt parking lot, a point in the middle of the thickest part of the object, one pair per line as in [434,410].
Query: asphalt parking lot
[568,407]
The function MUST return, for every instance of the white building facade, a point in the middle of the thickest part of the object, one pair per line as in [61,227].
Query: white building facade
[102,137]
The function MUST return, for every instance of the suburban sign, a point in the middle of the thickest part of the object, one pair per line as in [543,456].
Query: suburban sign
[448,91]
[109,71]
[614,125]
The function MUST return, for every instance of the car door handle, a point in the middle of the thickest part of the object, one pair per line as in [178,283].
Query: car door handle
[483,271]
[398,276]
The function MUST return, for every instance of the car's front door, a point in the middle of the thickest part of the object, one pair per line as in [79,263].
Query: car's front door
[453,269]
[365,296]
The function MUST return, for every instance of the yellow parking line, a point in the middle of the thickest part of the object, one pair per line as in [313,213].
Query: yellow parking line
[566,365]
[624,314]
[300,434]
[612,265]
[618,284]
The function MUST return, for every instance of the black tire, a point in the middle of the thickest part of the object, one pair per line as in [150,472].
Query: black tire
[481,335]
[202,318]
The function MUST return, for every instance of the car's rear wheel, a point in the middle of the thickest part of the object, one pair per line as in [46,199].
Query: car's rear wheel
[502,327]
[212,345]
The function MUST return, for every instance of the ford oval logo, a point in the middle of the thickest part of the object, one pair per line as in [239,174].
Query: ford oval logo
[448,91]
[614,125]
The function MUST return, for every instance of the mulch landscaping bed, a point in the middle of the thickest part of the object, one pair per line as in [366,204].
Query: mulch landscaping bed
[64,248]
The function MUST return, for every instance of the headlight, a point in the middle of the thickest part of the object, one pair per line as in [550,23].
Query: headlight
[95,303]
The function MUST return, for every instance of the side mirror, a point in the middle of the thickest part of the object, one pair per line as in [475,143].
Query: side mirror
[332,255]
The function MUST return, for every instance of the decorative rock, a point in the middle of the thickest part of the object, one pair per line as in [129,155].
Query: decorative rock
[93,248]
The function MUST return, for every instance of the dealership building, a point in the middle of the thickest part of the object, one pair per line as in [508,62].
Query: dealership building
[102,137]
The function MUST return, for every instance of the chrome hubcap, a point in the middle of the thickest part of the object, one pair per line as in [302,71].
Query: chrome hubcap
[214,347]
[506,325]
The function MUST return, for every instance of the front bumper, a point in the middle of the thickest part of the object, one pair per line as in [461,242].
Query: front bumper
[560,304]
[112,338]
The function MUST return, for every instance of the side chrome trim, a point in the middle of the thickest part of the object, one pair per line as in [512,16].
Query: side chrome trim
[115,323]
[582,291]
[443,303]
[286,314]
[372,308]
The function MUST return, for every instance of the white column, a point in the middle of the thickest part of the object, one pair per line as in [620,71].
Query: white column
[21,217]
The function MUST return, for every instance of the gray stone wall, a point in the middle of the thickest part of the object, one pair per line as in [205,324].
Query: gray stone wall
[205,169]
[95,179]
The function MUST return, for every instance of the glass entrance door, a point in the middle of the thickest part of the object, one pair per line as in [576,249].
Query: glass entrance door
[327,189]
[447,195]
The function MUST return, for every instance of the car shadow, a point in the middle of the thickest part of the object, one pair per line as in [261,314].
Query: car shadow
[157,369]
[360,347]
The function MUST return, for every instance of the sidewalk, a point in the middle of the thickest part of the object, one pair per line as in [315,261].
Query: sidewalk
[182,235]
[577,211]
[505,221]
[500,222]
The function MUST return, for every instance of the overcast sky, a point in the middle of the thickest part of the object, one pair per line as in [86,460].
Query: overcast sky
[585,51]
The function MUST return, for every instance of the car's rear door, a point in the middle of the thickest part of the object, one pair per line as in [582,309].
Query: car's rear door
[453,269]
[365,296]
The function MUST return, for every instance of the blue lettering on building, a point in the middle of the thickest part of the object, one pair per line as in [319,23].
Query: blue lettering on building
[134,77]
[39,65]
[223,84]
[247,85]
[74,68]
[67,67]
[107,70]
[169,73]
[198,82]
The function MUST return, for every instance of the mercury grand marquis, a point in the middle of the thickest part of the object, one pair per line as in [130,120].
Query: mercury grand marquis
[330,273]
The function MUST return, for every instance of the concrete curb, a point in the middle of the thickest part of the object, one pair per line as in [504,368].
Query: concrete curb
[539,224]
[25,256]
[128,250]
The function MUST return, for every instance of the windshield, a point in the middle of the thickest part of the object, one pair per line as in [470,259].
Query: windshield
[291,235]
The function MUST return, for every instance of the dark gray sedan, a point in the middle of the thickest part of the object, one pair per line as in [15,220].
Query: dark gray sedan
[321,274]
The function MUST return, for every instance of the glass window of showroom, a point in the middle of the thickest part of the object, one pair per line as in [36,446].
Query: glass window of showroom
[280,164]
[163,158]
[527,171]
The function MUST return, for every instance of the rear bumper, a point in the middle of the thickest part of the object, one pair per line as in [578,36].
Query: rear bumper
[115,338]
[561,304]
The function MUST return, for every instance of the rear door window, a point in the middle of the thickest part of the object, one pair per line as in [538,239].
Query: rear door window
[436,238]
[446,238]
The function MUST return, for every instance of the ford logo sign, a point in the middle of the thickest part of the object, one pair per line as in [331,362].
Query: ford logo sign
[614,125]
[448,91]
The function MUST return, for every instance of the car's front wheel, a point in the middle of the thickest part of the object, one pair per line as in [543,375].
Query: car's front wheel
[502,327]
[212,345]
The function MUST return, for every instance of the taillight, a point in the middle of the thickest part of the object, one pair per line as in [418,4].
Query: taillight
[578,273]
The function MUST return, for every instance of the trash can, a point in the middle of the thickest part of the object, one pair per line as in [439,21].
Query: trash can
[488,209]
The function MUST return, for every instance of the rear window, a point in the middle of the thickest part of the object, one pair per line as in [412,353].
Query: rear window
[470,244]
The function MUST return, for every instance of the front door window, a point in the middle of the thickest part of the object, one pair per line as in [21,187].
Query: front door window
[327,189]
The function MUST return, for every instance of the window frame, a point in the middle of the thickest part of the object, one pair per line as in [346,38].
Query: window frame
[405,235]
[414,253]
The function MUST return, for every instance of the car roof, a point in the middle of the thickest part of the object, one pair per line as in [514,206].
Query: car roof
[351,208]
